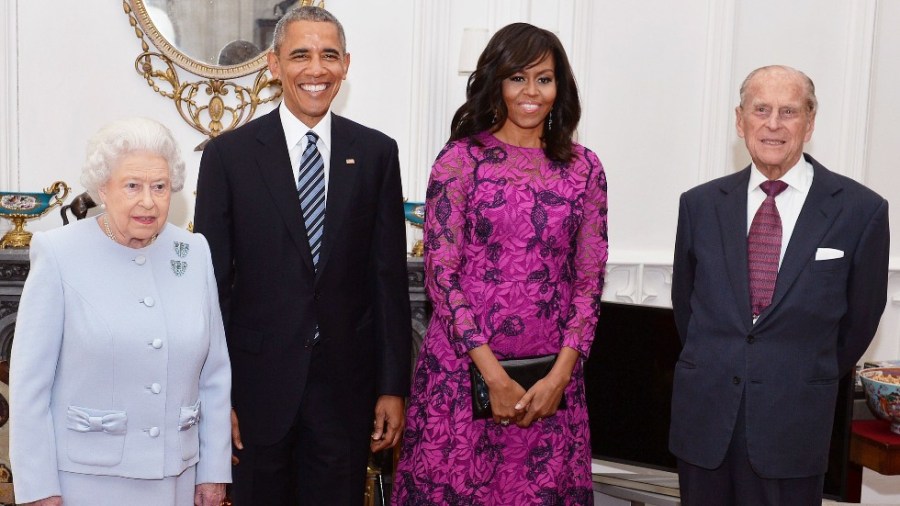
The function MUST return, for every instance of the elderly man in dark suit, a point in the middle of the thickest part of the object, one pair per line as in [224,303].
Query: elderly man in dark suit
[780,279]
[303,211]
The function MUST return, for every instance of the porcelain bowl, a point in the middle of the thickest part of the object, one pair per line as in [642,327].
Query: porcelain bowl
[883,396]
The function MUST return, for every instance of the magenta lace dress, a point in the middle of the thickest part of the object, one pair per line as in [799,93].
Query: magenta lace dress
[515,251]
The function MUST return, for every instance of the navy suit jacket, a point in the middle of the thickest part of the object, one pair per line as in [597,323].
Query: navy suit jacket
[786,366]
[272,297]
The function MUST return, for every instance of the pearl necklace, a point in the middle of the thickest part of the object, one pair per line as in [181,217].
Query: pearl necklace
[109,232]
[111,235]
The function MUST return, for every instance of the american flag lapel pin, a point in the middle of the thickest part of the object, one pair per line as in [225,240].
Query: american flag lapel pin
[351,161]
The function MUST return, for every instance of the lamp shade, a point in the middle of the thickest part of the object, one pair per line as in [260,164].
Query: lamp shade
[473,42]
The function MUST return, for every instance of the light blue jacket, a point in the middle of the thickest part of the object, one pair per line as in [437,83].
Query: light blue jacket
[119,364]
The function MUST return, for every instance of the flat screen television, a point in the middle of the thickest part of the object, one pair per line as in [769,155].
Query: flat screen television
[628,378]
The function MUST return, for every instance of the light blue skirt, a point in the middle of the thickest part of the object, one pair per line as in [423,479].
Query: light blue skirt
[92,490]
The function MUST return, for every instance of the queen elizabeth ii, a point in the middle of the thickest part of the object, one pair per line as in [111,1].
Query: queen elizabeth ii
[120,380]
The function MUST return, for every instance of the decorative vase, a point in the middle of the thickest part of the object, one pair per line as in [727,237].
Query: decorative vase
[415,215]
[20,206]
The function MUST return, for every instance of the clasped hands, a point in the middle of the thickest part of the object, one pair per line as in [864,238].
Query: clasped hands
[512,403]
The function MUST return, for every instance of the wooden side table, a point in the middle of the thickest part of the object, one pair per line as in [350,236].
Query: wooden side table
[873,445]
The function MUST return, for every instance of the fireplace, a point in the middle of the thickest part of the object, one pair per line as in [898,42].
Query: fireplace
[13,271]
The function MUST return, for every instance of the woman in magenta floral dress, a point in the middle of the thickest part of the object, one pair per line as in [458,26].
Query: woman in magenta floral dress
[515,251]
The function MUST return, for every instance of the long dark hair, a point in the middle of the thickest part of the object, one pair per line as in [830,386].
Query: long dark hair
[512,49]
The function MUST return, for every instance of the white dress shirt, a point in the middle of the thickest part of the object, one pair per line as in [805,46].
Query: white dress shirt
[789,202]
[295,137]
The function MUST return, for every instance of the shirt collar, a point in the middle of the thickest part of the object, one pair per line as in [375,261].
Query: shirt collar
[799,177]
[295,130]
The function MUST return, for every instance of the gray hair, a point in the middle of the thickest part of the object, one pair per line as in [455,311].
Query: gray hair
[812,104]
[118,139]
[307,13]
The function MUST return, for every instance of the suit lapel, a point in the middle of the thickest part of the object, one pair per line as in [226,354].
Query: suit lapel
[342,178]
[732,213]
[818,213]
[275,169]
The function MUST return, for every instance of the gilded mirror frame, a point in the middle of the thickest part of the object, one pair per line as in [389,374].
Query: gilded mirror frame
[188,63]
[213,104]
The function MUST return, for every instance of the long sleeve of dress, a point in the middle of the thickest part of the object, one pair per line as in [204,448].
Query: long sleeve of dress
[589,262]
[36,349]
[445,241]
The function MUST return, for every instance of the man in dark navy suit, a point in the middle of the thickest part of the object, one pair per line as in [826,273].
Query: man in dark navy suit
[303,210]
[780,279]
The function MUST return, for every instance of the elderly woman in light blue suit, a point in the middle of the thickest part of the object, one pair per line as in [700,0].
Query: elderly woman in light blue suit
[120,380]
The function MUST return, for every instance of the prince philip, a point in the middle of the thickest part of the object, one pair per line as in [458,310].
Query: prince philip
[780,279]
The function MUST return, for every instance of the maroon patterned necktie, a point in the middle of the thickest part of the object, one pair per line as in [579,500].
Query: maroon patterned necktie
[764,248]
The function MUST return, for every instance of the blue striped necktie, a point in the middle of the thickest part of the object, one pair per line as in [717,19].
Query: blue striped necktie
[311,190]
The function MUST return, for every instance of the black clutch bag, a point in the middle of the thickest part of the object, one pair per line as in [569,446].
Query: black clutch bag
[524,371]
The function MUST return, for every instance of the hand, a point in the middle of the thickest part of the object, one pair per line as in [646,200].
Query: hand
[235,437]
[540,401]
[209,494]
[504,395]
[503,392]
[389,421]
[47,501]
[543,398]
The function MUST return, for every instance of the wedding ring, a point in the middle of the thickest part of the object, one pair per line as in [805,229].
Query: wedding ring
[504,422]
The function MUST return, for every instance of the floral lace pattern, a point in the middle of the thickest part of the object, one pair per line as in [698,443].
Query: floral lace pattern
[515,252]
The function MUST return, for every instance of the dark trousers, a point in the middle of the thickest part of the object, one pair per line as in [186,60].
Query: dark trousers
[319,462]
[736,483]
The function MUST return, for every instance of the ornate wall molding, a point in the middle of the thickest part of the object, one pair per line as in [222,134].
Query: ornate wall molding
[428,92]
[582,63]
[857,87]
[9,96]
[648,284]
[717,90]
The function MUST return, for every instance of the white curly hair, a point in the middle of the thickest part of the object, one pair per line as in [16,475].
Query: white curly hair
[125,136]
